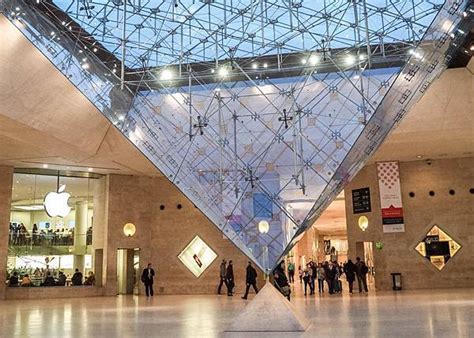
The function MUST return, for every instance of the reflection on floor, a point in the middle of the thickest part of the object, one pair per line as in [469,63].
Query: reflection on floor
[427,313]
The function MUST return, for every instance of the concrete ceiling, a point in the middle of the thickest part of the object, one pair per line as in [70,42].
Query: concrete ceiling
[44,119]
[440,125]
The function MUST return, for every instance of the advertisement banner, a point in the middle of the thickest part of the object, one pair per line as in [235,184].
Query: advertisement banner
[390,196]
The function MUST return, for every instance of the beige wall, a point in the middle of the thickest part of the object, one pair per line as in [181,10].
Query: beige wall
[160,235]
[453,213]
[6,181]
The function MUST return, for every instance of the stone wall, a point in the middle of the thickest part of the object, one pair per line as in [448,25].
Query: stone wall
[6,181]
[453,213]
[162,234]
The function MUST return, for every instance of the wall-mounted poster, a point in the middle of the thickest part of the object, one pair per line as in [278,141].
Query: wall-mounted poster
[390,196]
[438,247]
[361,201]
[197,256]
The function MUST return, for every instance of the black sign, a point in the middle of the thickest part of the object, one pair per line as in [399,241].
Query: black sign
[361,201]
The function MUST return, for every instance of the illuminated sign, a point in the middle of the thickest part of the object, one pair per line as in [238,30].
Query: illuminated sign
[197,256]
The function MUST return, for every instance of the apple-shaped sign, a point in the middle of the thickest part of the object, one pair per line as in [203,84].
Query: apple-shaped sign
[55,203]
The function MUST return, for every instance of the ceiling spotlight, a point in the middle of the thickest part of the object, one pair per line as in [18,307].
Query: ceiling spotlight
[303,61]
[90,169]
[52,33]
[362,57]
[45,166]
[166,74]
[84,59]
[223,71]
[265,65]
[63,23]
[471,48]
[95,50]
[350,59]
[212,71]
[85,66]
[419,156]
[254,65]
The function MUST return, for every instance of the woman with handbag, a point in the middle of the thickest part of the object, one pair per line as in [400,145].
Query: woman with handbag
[280,280]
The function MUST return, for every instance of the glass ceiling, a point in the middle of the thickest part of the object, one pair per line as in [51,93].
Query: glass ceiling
[164,32]
[246,148]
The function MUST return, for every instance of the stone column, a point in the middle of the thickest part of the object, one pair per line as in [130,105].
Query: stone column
[80,232]
[6,181]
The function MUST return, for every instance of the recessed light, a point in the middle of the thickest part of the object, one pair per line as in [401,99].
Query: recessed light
[90,169]
[265,65]
[419,156]
[45,165]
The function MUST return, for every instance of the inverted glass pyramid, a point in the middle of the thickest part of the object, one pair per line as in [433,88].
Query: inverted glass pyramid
[258,111]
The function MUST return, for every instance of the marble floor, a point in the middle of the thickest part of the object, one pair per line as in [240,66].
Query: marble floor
[427,313]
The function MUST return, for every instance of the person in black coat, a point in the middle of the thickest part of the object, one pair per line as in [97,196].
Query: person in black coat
[49,280]
[350,271]
[147,278]
[13,282]
[331,273]
[77,278]
[251,280]
[230,279]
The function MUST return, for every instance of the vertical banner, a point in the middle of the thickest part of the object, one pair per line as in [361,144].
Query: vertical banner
[390,197]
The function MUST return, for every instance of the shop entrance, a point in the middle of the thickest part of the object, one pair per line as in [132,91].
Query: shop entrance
[127,271]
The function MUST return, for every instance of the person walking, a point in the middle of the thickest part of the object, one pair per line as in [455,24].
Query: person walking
[291,272]
[300,274]
[222,276]
[350,271]
[230,279]
[321,277]
[306,280]
[147,278]
[361,271]
[331,277]
[250,280]
[313,275]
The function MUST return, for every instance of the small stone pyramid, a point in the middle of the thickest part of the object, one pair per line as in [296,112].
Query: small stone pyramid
[269,311]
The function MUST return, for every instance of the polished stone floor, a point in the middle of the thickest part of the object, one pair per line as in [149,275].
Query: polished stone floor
[427,313]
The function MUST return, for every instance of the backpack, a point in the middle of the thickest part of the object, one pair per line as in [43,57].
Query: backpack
[364,269]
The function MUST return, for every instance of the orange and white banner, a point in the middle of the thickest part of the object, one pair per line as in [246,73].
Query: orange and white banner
[390,196]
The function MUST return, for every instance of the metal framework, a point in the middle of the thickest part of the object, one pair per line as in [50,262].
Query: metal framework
[256,110]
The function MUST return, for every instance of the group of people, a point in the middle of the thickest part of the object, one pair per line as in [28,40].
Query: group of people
[226,277]
[49,278]
[331,273]
[19,235]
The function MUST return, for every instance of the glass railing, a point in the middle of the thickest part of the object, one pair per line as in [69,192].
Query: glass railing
[46,239]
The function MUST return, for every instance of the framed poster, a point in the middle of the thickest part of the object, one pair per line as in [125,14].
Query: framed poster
[361,201]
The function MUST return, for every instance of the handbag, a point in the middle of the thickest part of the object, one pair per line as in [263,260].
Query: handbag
[285,290]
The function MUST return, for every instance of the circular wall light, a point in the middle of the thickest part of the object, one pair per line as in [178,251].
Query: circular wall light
[263,227]
[129,229]
[363,223]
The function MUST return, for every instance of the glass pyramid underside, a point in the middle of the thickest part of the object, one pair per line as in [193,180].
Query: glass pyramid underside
[245,147]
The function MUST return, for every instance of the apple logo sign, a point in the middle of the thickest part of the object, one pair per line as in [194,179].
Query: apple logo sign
[55,203]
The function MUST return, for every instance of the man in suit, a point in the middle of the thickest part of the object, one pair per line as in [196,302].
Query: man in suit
[251,280]
[147,279]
